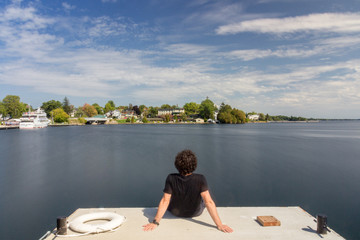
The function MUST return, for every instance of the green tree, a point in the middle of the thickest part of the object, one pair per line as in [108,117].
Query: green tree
[207,109]
[98,108]
[136,109]
[142,108]
[153,111]
[240,116]
[112,104]
[227,114]
[2,110]
[165,106]
[66,106]
[89,110]
[224,115]
[79,113]
[109,106]
[183,117]
[50,105]
[191,108]
[251,113]
[262,117]
[144,120]
[13,106]
[225,108]
[59,115]
[82,120]
[167,118]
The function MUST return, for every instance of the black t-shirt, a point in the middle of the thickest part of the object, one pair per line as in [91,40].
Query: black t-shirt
[185,193]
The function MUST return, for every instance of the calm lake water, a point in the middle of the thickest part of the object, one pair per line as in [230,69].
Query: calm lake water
[51,172]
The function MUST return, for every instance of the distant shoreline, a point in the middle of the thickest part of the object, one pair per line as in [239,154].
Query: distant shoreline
[9,127]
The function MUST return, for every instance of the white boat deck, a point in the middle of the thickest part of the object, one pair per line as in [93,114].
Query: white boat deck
[295,224]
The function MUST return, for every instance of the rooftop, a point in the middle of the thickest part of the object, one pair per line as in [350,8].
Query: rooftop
[295,224]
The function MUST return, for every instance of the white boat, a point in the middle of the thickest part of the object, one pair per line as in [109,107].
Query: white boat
[36,119]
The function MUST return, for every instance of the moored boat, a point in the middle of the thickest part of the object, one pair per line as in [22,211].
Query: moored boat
[36,119]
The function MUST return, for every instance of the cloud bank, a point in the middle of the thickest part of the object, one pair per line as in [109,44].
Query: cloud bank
[323,22]
[77,57]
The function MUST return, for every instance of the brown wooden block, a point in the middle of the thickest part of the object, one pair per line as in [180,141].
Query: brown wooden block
[268,221]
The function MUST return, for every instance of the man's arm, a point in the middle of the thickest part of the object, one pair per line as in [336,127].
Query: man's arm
[211,207]
[163,205]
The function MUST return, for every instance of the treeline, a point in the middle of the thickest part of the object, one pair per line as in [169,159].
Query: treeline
[227,114]
[277,118]
[12,107]
[284,118]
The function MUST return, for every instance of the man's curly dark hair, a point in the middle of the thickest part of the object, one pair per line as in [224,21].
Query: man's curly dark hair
[186,162]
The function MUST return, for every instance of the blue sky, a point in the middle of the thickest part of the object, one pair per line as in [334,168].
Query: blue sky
[290,57]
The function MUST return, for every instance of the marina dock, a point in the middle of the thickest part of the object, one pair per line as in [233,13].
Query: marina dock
[295,223]
[7,127]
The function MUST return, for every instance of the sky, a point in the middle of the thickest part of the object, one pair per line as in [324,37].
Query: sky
[281,57]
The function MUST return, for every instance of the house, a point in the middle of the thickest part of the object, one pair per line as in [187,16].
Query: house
[254,117]
[128,114]
[164,112]
[114,114]
[199,120]
[155,120]
[72,113]
[171,111]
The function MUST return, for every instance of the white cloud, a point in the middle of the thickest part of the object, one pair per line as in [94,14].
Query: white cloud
[252,54]
[68,7]
[324,22]
[189,49]
[105,26]
[340,42]
[218,12]
[320,47]
[45,62]
[26,16]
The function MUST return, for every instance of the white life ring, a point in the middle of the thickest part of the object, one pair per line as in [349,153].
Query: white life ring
[79,223]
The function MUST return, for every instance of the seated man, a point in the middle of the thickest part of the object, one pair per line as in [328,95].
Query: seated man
[186,194]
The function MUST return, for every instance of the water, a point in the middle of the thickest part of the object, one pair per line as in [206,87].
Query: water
[51,172]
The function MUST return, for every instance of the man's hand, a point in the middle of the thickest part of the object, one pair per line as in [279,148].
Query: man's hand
[149,227]
[225,228]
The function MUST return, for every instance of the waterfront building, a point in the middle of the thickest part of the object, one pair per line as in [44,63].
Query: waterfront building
[128,114]
[254,117]
[199,120]
[171,111]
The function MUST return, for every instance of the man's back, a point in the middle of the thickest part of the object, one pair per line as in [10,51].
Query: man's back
[185,193]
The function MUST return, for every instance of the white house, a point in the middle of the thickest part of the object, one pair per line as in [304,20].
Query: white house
[114,114]
[72,113]
[254,117]
[171,111]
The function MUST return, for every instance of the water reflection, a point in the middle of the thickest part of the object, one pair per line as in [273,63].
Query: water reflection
[53,171]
